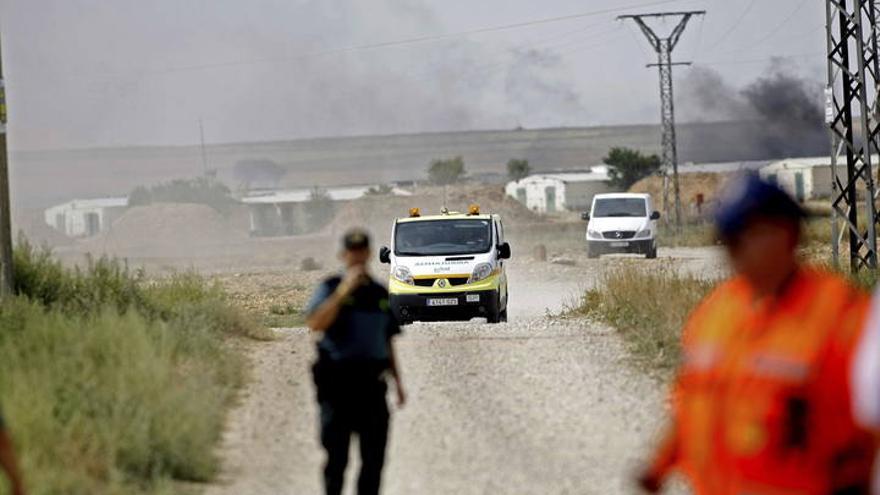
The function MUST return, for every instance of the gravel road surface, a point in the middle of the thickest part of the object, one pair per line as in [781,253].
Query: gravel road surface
[539,405]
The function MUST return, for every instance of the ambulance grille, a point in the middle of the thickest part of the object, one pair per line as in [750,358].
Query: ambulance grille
[453,281]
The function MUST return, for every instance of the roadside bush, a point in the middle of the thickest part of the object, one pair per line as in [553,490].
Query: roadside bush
[112,384]
[647,308]
[320,209]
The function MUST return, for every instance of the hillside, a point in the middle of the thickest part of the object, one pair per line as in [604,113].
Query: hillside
[41,178]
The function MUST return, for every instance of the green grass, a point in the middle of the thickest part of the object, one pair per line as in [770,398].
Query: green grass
[647,308]
[112,384]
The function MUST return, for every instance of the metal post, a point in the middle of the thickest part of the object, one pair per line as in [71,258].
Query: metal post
[852,81]
[664,48]
[6,273]
[204,153]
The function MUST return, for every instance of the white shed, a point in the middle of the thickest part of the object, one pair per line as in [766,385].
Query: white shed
[283,212]
[553,192]
[803,178]
[85,217]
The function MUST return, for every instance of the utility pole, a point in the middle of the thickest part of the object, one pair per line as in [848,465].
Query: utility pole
[204,153]
[851,98]
[6,272]
[664,48]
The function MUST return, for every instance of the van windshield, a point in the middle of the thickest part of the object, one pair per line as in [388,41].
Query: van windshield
[620,207]
[442,237]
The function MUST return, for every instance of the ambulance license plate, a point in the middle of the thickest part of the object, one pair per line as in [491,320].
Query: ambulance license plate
[619,244]
[443,302]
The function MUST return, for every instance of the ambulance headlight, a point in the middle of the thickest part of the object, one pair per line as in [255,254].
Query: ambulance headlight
[403,274]
[594,234]
[481,272]
[644,234]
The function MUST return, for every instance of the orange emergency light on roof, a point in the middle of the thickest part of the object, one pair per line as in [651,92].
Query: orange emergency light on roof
[415,212]
[474,209]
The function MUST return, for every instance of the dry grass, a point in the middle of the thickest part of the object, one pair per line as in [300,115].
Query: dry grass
[647,308]
[114,384]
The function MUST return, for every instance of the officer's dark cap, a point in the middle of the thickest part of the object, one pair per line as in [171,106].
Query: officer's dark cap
[355,240]
[750,198]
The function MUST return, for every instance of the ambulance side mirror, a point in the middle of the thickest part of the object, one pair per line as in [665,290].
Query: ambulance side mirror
[585,216]
[384,254]
[655,215]
[504,251]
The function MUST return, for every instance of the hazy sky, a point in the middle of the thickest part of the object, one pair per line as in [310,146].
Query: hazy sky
[83,73]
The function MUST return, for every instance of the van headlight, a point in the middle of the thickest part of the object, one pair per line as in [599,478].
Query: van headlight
[403,274]
[643,234]
[594,234]
[481,272]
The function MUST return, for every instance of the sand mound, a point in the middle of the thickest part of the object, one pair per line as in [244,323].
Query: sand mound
[33,226]
[691,185]
[163,228]
[377,213]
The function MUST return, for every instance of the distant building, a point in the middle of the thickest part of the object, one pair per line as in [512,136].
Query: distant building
[284,212]
[722,167]
[85,217]
[555,192]
[803,178]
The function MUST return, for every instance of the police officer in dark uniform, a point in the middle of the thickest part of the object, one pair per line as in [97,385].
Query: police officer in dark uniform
[355,355]
[8,462]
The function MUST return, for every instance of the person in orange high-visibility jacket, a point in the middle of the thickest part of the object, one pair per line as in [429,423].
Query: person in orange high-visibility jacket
[761,404]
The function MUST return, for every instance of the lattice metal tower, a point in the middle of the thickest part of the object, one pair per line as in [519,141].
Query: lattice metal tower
[851,114]
[664,48]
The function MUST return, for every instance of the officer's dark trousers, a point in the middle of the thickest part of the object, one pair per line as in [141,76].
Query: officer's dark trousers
[365,415]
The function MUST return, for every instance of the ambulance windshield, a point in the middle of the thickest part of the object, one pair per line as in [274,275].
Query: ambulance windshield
[442,237]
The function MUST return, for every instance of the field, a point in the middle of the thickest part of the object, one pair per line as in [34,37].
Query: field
[89,173]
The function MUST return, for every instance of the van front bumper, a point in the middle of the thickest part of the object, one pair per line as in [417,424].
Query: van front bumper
[628,246]
[440,306]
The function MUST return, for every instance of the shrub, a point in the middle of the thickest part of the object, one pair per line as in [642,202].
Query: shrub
[445,172]
[320,209]
[518,169]
[380,190]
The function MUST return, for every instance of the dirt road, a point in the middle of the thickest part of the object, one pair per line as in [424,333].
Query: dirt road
[539,405]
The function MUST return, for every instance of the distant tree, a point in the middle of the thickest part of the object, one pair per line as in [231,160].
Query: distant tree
[260,172]
[518,169]
[627,166]
[380,190]
[444,172]
[140,196]
[320,209]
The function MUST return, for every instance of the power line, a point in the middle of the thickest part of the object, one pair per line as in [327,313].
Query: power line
[405,41]
[735,25]
[773,31]
[763,59]
[699,43]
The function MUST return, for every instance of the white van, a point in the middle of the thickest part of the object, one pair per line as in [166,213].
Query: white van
[448,267]
[622,223]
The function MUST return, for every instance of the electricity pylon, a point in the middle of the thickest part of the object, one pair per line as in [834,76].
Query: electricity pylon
[851,103]
[664,47]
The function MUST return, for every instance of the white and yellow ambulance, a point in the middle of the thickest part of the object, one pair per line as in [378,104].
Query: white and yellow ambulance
[448,267]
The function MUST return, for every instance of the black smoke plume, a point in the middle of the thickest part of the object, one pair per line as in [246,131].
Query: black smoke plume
[782,113]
